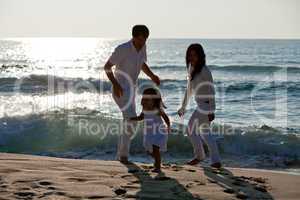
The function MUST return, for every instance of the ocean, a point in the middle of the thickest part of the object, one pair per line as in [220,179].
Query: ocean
[55,98]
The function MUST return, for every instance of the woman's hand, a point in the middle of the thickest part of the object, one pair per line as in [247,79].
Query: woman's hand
[117,90]
[211,117]
[181,112]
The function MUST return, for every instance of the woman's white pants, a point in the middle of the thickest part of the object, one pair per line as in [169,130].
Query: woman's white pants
[198,131]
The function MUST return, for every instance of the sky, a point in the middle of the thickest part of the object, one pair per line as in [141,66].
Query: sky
[165,18]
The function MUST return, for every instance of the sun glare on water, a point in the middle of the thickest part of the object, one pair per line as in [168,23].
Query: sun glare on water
[67,56]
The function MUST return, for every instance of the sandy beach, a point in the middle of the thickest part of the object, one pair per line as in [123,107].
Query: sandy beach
[37,177]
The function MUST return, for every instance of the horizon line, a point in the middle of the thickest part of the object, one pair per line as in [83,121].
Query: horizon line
[166,38]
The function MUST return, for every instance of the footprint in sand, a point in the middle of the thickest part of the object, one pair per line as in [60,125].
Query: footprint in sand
[51,188]
[120,191]
[24,194]
[189,185]
[3,186]
[45,183]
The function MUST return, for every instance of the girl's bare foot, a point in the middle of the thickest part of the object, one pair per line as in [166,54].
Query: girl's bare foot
[195,161]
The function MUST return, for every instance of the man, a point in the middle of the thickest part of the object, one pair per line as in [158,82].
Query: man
[129,58]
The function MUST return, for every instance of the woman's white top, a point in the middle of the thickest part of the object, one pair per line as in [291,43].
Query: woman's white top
[155,132]
[202,87]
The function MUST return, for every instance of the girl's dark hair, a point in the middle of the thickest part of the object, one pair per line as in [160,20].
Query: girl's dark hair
[138,30]
[198,49]
[154,94]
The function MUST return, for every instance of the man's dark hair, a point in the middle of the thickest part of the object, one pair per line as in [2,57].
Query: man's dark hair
[142,30]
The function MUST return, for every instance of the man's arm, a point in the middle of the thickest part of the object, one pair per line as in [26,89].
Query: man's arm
[150,74]
[117,89]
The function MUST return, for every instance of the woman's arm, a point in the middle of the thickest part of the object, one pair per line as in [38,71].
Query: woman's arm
[186,97]
[138,118]
[211,93]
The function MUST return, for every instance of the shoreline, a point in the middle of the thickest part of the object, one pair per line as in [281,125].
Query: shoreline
[40,177]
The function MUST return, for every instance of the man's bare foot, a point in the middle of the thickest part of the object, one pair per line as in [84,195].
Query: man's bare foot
[124,160]
[217,165]
[195,161]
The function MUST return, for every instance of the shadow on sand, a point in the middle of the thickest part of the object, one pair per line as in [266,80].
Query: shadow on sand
[159,186]
[240,186]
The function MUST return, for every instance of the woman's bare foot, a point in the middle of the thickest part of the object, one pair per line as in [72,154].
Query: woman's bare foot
[217,165]
[195,161]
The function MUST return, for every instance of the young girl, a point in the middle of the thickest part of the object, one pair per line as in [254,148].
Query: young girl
[200,83]
[155,135]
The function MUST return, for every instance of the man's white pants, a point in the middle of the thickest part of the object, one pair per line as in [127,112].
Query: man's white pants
[199,130]
[126,103]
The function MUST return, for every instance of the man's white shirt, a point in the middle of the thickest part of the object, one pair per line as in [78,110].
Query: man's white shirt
[128,62]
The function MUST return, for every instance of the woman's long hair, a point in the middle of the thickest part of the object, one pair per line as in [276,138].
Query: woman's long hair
[198,49]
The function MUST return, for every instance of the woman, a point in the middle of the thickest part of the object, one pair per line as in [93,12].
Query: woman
[200,83]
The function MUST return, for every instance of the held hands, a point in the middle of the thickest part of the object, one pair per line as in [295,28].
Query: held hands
[117,90]
[211,117]
[181,112]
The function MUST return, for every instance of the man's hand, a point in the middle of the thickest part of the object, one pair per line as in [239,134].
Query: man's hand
[150,74]
[156,80]
[117,90]
[211,117]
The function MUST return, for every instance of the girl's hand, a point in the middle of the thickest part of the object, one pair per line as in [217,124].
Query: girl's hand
[181,112]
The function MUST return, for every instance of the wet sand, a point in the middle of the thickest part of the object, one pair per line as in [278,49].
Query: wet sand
[39,177]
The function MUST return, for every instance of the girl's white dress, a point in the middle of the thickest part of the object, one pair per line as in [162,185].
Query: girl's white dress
[155,132]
